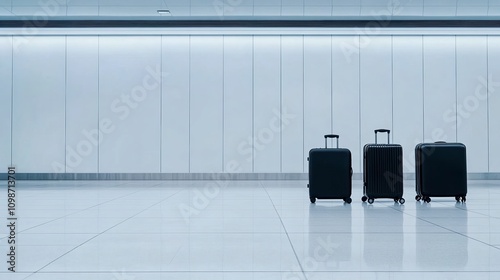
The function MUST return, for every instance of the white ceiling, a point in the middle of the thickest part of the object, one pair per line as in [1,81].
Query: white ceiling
[246,9]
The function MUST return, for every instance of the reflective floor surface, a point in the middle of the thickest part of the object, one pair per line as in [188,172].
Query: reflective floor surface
[147,230]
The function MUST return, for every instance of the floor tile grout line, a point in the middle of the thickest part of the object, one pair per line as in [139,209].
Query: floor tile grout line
[469,211]
[202,271]
[251,233]
[99,234]
[175,255]
[448,229]
[286,232]
[254,271]
[79,211]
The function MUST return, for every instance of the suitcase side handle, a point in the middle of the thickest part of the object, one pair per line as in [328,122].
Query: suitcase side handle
[331,136]
[383,131]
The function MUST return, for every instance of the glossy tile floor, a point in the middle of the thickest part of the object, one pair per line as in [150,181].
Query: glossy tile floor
[143,230]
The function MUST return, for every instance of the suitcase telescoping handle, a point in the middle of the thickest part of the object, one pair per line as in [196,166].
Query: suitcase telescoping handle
[383,131]
[331,136]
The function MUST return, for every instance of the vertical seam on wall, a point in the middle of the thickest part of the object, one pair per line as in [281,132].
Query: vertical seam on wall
[12,102]
[161,102]
[281,102]
[189,105]
[65,101]
[488,98]
[423,90]
[359,103]
[303,102]
[98,102]
[331,85]
[223,98]
[392,88]
[253,101]
[456,91]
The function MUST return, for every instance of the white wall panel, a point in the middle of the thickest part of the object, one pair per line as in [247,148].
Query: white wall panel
[129,104]
[439,89]
[175,105]
[345,87]
[39,105]
[376,87]
[292,84]
[5,100]
[267,104]
[408,96]
[217,105]
[82,94]
[494,102]
[317,91]
[238,94]
[206,104]
[472,104]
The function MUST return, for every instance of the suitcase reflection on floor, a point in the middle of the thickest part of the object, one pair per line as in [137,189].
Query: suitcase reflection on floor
[443,250]
[330,235]
[384,239]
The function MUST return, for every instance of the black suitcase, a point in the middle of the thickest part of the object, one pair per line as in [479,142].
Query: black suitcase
[441,171]
[330,173]
[383,171]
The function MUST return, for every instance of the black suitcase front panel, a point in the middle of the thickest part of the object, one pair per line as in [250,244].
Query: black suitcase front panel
[441,169]
[330,173]
[383,171]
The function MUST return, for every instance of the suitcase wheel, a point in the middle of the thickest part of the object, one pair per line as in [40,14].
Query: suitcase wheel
[418,197]
[348,200]
[370,200]
[400,200]
[364,198]
[313,199]
[426,199]
[460,197]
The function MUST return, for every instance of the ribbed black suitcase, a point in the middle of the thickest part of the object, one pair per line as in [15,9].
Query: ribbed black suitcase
[330,173]
[441,171]
[383,171]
